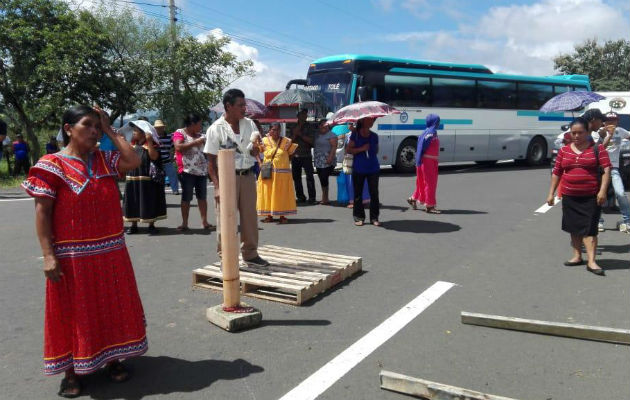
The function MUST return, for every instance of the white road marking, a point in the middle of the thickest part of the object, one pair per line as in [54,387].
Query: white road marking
[546,207]
[22,199]
[330,373]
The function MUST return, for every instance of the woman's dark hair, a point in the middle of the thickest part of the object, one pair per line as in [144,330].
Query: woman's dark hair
[231,95]
[191,119]
[581,121]
[73,115]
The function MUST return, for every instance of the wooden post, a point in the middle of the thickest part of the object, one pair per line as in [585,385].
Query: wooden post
[229,235]
[431,390]
[598,333]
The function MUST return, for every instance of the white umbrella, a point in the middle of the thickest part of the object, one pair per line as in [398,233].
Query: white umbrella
[144,126]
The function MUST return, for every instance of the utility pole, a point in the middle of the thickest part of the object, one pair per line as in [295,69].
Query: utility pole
[177,118]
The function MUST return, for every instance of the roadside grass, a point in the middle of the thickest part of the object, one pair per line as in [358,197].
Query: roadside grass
[8,181]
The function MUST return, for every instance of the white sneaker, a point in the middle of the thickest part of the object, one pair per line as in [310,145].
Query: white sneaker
[623,227]
[600,227]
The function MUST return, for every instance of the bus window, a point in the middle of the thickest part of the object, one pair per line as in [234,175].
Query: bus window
[495,94]
[403,90]
[531,96]
[558,89]
[454,92]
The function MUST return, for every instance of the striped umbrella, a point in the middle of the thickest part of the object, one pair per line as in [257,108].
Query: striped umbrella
[253,109]
[570,101]
[364,109]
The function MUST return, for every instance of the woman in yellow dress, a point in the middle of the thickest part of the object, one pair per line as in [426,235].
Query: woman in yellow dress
[276,196]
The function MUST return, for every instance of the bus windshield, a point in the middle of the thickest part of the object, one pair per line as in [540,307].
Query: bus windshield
[335,86]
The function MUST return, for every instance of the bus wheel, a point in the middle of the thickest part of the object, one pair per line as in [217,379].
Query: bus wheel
[406,157]
[536,151]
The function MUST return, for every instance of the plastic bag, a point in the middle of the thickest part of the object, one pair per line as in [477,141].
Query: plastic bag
[342,189]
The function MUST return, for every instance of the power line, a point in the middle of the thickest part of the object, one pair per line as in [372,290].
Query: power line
[140,3]
[255,42]
[258,25]
[354,15]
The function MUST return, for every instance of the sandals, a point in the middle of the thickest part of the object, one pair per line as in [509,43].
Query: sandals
[412,203]
[267,220]
[283,220]
[433,210]
[376,222]
[209,227]
[183,228]
[117,372]
[358,223]
[70,388]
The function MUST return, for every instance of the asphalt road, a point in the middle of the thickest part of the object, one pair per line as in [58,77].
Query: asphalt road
[503,258]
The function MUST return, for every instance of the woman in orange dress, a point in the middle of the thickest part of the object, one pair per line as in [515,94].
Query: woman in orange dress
[93,313]
[276,195]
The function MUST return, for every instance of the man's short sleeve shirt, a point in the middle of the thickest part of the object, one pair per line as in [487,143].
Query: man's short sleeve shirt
[221,136]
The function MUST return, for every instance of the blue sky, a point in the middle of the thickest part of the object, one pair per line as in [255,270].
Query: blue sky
[283,36]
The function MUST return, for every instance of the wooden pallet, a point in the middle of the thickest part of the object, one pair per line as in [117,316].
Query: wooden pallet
[293,277]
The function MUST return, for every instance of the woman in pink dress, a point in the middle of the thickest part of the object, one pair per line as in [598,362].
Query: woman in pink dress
[427,159]
[93,315]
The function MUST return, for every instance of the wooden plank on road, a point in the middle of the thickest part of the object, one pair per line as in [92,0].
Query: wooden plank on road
[430,390]
[576,331]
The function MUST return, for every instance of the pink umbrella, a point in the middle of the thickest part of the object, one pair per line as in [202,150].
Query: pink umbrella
[364,109]
[254,109]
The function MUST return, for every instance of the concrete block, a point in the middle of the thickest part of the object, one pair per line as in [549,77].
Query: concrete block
[233,322]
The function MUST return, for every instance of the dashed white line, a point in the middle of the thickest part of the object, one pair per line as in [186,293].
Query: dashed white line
[330,373]
[546,207]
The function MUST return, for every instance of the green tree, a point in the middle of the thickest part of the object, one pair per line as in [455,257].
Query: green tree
[607,65]
[205,69]
[49,57]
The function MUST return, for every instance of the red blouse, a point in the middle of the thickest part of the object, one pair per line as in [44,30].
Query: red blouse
[579,172]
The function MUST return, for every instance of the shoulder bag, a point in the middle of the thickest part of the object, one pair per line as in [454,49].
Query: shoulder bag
[266,167]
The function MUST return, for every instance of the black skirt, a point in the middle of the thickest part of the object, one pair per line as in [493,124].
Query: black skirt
[580,215]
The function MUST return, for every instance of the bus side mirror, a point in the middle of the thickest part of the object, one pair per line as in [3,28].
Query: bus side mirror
[362,93]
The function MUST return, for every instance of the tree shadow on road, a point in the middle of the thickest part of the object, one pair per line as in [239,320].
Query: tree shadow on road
[165,375]
[415,226]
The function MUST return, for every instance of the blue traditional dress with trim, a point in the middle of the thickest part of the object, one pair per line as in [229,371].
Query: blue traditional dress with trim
[276,195]
[94,313]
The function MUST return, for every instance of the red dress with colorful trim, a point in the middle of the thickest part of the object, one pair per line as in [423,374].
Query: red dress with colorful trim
[93,314]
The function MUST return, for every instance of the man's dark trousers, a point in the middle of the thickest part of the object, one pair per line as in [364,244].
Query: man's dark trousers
[297,163]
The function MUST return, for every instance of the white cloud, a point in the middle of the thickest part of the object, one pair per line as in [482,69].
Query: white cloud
[522,38]
[267,77]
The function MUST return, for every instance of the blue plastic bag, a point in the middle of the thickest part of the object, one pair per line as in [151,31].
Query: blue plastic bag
[342,189]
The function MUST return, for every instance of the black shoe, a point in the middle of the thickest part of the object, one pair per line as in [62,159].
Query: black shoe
[257,262]
[131,230]
[597,271]
[312,201]
[301,199]
[573,263]
[153,229]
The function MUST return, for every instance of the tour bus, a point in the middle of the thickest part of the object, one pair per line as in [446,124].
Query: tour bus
[485,116]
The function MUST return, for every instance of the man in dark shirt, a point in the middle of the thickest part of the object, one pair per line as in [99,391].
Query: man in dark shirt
[20,152]
[52,147]
[302,159]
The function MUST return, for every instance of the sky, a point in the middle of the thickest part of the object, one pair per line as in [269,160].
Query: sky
[282,37]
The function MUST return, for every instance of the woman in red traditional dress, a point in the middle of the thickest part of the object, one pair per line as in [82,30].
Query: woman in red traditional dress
[93,314]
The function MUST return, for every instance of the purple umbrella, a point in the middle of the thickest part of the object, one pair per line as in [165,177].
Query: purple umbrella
[364,109]
[570,101]
[254,109]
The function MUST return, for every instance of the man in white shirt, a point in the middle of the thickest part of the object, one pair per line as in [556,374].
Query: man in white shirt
[612,143]
[234,131]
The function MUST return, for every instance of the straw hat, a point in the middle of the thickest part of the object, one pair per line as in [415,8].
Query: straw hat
[158,124]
